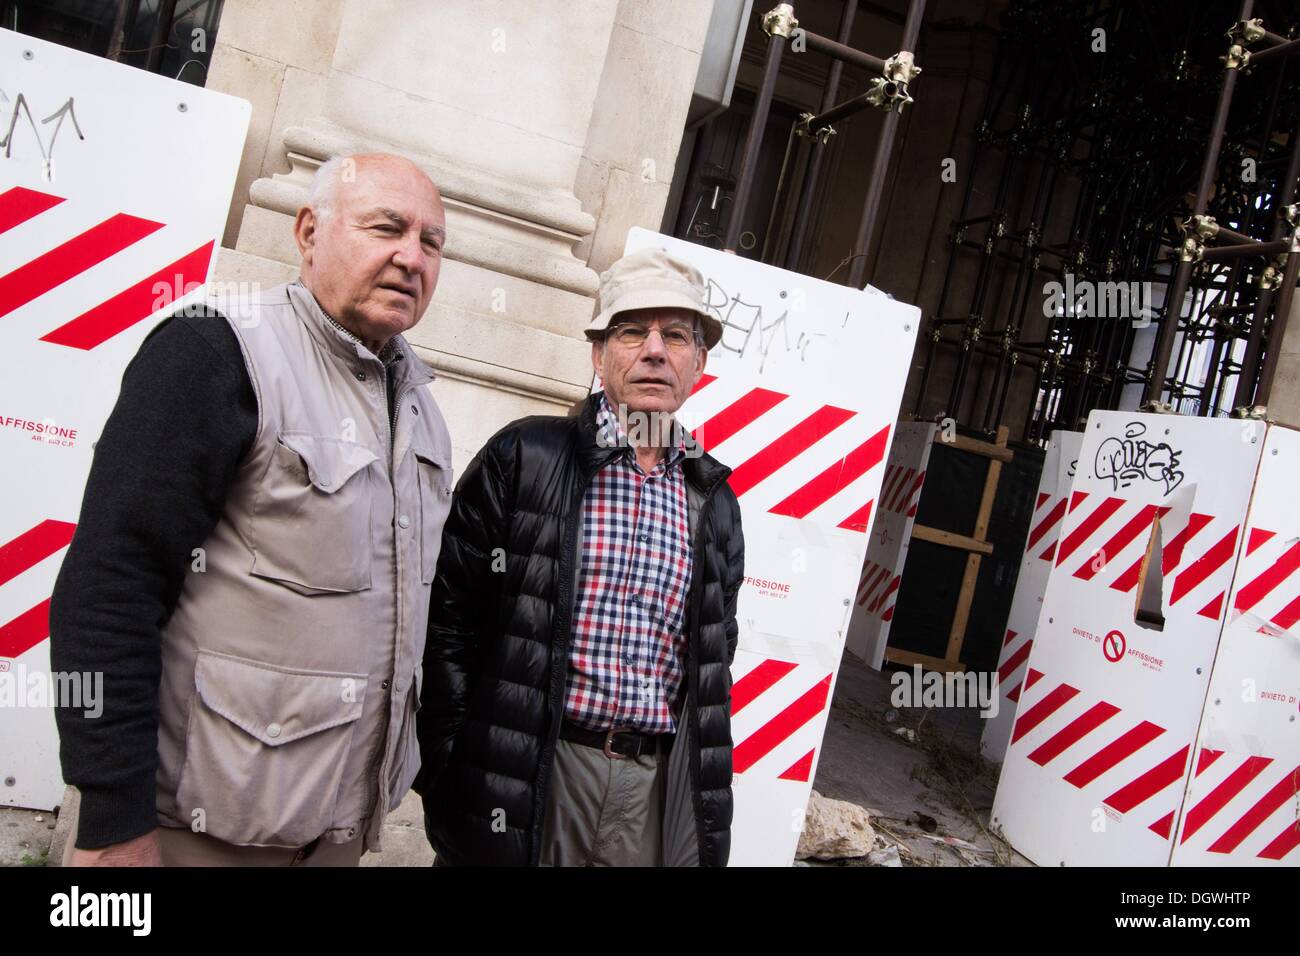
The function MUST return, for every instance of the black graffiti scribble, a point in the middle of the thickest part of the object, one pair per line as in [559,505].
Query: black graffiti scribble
[1132,458]
[745,329]
[68,109]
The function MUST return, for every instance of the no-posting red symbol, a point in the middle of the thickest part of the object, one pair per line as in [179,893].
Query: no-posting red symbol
[1114,646]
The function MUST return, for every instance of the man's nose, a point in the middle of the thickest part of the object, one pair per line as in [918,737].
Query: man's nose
[654,347]
[408,255]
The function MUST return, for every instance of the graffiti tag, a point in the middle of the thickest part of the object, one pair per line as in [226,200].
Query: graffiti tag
[1133,458]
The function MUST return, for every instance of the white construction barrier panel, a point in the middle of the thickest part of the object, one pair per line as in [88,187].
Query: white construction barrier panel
[799,399]
[1116,756]
[1031,584]
[882,572]
[1243,801]
[114,189]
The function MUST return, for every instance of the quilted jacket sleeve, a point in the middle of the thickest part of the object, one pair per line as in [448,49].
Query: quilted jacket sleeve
[462,603]
[733,574]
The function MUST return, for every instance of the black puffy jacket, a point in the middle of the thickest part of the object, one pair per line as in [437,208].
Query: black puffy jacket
[496,661]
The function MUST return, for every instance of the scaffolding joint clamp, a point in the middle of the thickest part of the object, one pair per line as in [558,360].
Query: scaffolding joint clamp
[803,127]
[1252,412]
[780,21]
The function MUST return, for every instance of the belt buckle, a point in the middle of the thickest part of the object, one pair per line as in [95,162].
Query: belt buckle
[609,740]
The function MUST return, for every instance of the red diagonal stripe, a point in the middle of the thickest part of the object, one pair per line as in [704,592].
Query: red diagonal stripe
[877,578]
[25,631]
[1012,663]
[1087,526]
[1046,524]
[1011,636]
[909,486]
[1216,799]
[835,478]
[1150,783]
[788,447]
[1049,705]
[17,205]
[132,305]
[916,486]
[1174,549]
[1286,841]
[1206,758]
[1033,678]
[1049,554]
[754,404]
[32,547]
[756,681]
[860,520]
[74,257]
[1251,820]
[1163,825]
[1105,758]
[1257,537]
[1077,498]
[896,496]
[888,613]
[762,741]
[1287,617]
[891,470]
[1073,732]
[1042,496]
[1173,553]
[1273,575]
[800,770]
[884,595]
[1142,521]
[1204,566]
[1013,695]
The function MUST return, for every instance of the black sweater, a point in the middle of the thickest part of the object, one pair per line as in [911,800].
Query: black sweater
[184,420]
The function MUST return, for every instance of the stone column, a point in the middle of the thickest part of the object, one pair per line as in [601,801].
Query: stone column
[494,100]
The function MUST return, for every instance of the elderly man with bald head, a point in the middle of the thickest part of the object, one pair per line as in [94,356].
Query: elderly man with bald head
[252,565]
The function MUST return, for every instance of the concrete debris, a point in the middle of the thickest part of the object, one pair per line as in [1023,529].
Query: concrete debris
[834,830]
[885,857]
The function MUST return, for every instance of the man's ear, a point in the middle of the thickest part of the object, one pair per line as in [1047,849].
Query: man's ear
[597,357]
[304,232]
[700,363]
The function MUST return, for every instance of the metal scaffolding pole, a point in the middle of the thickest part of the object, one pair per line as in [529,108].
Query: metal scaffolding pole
[1151,398]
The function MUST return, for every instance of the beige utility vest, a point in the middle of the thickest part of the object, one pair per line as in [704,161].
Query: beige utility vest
[292,663]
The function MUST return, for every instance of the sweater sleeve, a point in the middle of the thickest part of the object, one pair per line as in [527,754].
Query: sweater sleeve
[185,417]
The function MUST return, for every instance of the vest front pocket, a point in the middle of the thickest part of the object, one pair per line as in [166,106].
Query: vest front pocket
[265,750]
[435,503]
[311,525]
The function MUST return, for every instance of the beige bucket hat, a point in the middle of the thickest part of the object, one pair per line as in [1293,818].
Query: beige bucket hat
[651,279]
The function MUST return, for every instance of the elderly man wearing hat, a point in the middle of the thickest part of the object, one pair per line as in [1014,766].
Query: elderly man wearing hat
[576,698]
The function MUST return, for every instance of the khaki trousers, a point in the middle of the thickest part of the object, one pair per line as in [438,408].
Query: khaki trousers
[186,848]
[602,811]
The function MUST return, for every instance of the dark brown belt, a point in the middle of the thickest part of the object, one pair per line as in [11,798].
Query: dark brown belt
[618,743]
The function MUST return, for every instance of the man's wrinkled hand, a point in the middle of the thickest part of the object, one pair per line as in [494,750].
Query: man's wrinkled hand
[142,851]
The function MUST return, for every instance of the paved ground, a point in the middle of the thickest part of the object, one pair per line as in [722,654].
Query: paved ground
[920,788]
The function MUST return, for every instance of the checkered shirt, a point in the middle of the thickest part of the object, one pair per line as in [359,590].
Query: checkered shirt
[628,640]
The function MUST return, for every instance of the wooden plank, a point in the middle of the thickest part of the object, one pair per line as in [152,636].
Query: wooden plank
[961,615]
[997,452]
[950,539]
[900,656]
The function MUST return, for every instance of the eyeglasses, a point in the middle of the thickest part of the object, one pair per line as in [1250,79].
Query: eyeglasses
[677,336]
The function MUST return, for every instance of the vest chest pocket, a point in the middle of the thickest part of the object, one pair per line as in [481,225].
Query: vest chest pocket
[435,503]
[312,523]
